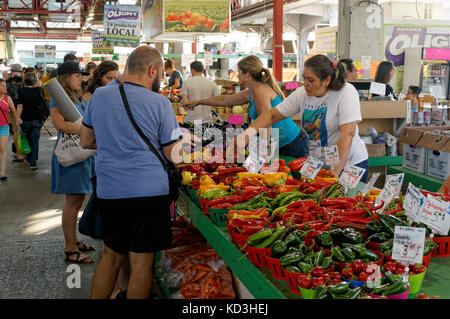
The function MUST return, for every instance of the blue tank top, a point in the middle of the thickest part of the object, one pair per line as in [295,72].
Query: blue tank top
[287,128]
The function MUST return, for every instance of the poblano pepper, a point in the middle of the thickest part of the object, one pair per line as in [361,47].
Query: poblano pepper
[279,249]
[304,267]
[292,250]
[337,254]
[292,240]
[373,227]
[293,269]
[320,256]
[337,235]
[324,240]
[349,255]
[351,236]
[388,222]
[290,260]
[327,263]
[379,237]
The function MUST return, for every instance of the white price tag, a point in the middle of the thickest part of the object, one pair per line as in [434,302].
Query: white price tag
[396,181]
[254,162]
[386,195]
[311,168]
[414,203]
[408,244]
[377,88]
[187,59]
[436,214]
[315,149]
[371,182]
[351,176]
[331,155]
[208,58]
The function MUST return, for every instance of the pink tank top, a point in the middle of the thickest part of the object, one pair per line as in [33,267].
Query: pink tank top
[4,111]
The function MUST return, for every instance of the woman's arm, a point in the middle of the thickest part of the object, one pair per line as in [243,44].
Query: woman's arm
[14,112]
[62,125]
[176,84]
[221,100]
[265,120]
[344,144]
[19,110]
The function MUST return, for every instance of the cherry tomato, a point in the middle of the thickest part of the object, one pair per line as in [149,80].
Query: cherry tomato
[347,272]
[389,266]
[358,266]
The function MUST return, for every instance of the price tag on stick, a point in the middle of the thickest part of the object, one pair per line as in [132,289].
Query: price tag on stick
[331,155]
[414,203]
[386,195]
[396,181]
[436,214]
[254,162]
[408,244]
[351,176]
[371,182]
[311,168]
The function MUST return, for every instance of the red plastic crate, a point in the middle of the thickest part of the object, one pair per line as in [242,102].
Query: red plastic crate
[258,256]
[275,267]
[443,247]
[292,280]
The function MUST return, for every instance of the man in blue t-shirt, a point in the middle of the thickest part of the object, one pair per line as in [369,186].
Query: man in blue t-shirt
[132,185]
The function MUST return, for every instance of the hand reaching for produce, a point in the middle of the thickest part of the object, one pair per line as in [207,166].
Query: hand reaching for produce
[190,105]
[190,139]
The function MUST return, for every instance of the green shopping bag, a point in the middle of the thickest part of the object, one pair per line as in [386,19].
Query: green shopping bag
[23,146]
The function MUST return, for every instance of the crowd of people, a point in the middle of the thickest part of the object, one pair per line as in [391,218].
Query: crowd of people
[127,182]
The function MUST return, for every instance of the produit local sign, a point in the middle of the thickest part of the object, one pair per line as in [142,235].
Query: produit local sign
[122,25]
[99,46]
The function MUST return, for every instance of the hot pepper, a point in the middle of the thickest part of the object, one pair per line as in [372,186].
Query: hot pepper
[269,241]
[291,259]
[297,164]
[243,175]
[271,178]
[279,248]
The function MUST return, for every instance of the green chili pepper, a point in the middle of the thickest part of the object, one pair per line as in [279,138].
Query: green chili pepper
[349,255]
[292,250]
[279,249]
[340,288]
[387,245]
[318,290]
[337,254]
[293,269]
[304,267]
[257,238]
[353,293]
[327,263]
[395,289]
[269,241]
[379,237]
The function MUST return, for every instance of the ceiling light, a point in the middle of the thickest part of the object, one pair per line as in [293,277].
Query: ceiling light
[89,18]
[35,18]
[91,14]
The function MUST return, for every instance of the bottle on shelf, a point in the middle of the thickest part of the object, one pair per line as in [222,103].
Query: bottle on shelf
[420,102]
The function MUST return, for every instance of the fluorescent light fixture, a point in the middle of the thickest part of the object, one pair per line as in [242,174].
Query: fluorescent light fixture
[89,18]
[35,18]
[91,14]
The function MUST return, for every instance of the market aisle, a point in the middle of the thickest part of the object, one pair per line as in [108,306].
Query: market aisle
[31,237]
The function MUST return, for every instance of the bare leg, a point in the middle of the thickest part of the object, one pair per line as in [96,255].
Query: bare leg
[106,273]
[140,283]
[3,156]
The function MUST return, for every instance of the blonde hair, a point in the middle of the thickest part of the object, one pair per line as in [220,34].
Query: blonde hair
[254,66]
[75,95]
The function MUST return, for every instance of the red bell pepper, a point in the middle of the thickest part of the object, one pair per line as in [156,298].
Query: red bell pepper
[195,168]
[297,164]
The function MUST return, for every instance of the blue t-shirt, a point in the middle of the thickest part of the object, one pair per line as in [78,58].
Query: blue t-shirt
[176,75]
[287,129]
[125,166]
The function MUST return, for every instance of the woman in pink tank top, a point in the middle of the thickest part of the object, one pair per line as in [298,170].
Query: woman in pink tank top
[6,105]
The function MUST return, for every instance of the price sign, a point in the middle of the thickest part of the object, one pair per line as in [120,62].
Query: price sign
[351,176]
[331,155]
[396,181]
[311,168]
[414,203]
[408,244]
[254,162]
[386,195]
[187,59]
[436,214]
[371,182]
[208,58]
[377,88]
[315,149]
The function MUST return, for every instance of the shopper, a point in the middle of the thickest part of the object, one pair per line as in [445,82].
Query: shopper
[69,57]
[136,218]
[90,68]
[30,98]
[350,69]
[41,74]
[12,85]
[385,74]
[413,96]
[29,70]
[106,72]
[198,87]
[329,109]
[175,78]
[6,105]
[73,181]
[263,94]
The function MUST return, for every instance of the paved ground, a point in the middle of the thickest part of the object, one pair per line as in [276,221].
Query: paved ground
[31,238]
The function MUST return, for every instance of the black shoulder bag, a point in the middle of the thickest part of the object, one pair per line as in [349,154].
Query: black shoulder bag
[44,111]
[169,167]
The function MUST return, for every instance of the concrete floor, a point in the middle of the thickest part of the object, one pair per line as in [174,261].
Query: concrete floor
[31,238]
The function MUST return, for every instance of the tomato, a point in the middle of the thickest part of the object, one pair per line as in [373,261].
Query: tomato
[398,271]
[363,276]
[317,271]
[389,266]
[335,275]
[400,266]
[317,281]
[357,266]
[417,269]
[305,282]
[347,272]
[335,281]
[188,13]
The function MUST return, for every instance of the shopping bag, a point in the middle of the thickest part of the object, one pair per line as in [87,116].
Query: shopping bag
[23,146]
[69,152]
[90,223]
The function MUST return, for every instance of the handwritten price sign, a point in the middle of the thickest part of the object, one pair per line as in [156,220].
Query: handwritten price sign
[311,168]
[331,155]
[414,203]
[396,181]
[436,214]
[386,196]
[408,244]
[351,176]
[254,162]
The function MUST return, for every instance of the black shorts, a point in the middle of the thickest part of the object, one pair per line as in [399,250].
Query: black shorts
[139,225]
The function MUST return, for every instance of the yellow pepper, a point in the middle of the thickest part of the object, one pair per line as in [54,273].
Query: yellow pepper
[236,215]
[206,180]
[187,178]
[271,178]
[205,187]
[243,175]
[373,198]
[375,192]
[237,183]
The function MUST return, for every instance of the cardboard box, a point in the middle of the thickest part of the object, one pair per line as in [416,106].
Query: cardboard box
[376,150]
[383,109]
[438,163]
[414,157]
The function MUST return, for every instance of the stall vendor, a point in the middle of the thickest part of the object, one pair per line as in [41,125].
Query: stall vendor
[263,95]
[329,109]
[413,96]
[175,77]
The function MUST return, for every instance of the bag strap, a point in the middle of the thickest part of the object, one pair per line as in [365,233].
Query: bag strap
[138,129]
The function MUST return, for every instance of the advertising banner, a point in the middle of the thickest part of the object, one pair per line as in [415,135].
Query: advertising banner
[122,25]
[199,16]
[152,19]
[99,46]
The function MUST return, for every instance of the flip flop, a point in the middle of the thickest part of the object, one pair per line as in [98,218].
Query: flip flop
[83,247]
[3,178]
[77,259]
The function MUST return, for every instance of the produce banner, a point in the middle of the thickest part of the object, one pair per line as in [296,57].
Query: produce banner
[200,16]
[397,38]
[99,46]
[122,25]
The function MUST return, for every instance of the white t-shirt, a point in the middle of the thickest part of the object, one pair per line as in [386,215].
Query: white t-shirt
[199,88]
[321,117]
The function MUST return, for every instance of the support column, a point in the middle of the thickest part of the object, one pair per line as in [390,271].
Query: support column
[277,58]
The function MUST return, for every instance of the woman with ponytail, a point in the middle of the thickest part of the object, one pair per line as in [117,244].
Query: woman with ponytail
[263,94]
[330,112]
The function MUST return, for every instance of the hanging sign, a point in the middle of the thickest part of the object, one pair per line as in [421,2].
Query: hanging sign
[208,58]
[99,46]
[396,181]
[122,25]
[414,203]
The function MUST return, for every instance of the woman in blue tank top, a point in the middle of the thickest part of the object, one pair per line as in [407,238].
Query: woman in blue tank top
[262,94]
